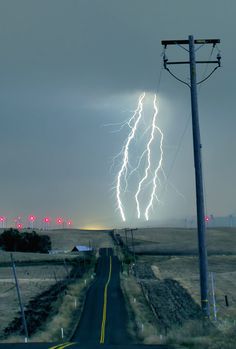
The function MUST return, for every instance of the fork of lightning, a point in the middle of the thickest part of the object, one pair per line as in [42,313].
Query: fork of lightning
[121,179]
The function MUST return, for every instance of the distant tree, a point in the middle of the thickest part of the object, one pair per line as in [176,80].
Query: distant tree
[13,240]
[9,239]
[45,243]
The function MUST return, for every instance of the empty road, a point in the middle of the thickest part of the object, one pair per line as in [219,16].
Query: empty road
[104,318]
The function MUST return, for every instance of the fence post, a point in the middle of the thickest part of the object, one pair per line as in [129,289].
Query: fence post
[213,296]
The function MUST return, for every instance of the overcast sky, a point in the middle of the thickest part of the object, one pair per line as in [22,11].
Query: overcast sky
[69,67]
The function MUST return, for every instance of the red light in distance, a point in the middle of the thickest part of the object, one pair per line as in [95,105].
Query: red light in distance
[207,219]
[59,220]
[31,218]
[19,226]
[69,223]
[47,220]
[2,219]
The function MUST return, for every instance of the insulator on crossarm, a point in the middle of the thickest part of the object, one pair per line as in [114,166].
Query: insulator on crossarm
[165,60]
[219,59]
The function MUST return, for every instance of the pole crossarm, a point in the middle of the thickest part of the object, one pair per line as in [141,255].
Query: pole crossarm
[186,42]
[187,62]
[166,62]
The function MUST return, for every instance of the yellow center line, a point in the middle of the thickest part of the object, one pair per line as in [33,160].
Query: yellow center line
[104,314]
[62,346]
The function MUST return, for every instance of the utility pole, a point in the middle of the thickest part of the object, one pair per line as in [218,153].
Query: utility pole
[203,263]
[126,239]
[19,299]
[231,221]
[132,239]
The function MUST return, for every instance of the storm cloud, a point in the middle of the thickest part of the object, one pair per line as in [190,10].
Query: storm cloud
[69,67]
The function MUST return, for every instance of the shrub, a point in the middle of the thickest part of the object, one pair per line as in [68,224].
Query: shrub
[13,240]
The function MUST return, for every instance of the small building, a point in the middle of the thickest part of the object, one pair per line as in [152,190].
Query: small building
[81,248]
[56,251]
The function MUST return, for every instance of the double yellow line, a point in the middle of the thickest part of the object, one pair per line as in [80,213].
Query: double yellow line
[104,314]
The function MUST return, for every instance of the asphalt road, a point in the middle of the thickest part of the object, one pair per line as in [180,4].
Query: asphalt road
[81,346]
[104,318]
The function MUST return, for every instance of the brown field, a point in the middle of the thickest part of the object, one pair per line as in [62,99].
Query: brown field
[182,241]
[185,270]
[172,254]
[65,314]
[66,239]
[37,272]
[32,281]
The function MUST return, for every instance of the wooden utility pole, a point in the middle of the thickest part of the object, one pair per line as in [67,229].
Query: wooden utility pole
[126,239]
[19,299]
[203,263]
[132,237]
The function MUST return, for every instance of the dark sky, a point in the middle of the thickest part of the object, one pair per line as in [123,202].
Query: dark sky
[69,67]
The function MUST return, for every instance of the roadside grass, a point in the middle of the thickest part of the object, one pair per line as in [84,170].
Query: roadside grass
[193,335]
[66,314]
[141,319]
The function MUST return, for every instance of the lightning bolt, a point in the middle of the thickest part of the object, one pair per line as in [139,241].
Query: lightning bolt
[148,151]
[139,163]
[133,124]
[157,170]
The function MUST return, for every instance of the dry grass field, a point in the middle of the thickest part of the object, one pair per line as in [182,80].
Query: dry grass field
[172,253]
[68,309]
[179,264]
[37,272]
[32,281]
[182,241]
[185,270]
[66,239]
